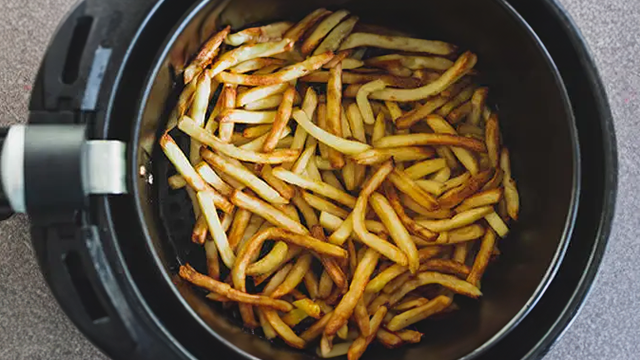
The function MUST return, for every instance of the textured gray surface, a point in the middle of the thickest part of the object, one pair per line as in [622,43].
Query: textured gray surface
[33,327]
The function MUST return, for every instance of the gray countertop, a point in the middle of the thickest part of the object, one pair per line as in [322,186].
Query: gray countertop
[32,326]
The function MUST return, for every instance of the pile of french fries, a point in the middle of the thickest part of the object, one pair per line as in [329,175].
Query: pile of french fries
[385,172]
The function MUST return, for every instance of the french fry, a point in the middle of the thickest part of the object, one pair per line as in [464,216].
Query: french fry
[267,211]
[461,67]
[460,220]
[424,168]
[300,268]
[362,99]
[332,41]
[347,147]
[315,186]
[285,190]
[497,224]
[294,317]
[311,284]
[189,274]
[399,154]
[257,143]
[361,317]
[317,328]
[511,196]
[362,342]
[462,97]
[460,113]
[200,231]
[255,64]
[306,210]
[444,266]
[356,80]
[206,201]
[462,234]
[322,204]
[482,258]
[271,32]
[182,164]
[272,260]
[325,285]
[456,195]
[322,30]
[406,185]
[309,106]
[388,339]
[281,120]
[213,179]
[412,62]
[247,117]
[283,330]
[492,136]
[198,111]
[244,176]
[213,260]
[397,43]
[484,198]
[410,304]
[424,139]
[409,119]
[248,52]
[258,93]
[429,277]
[334,113]
[287,74]
[478,103]
[398,232]
[276,157]
[411,225]
[298,30]
[412,316]
[466,158]
[206,55]
[176,182]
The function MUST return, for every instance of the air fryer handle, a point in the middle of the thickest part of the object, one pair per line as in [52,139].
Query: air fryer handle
[48,169]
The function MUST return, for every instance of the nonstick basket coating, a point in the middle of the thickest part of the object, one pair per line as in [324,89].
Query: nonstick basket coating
[537,125]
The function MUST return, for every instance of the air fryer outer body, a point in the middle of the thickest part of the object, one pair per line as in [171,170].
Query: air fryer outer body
[102,249]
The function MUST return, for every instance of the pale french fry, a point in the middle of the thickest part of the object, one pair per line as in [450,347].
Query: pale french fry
[410,304]
[466,233]
[206,55]
[294,317]
[256,131]
[497,224]
[259,93]
[313,172]
[424,168]
[281,120]
[356,80]
[482,258]
[348,303]
[198,112]
[322,204]
[330,178]
[484,198]
[283,188]
[309,106]
[277,279]
[322,30]
[283,330]
[412,316]
[315,186]
[271,32]
[191,275]
[421,210]
[492,136]
[181,163]
[206,201]
[461,67]
[300,268]
[412,62]
[478,102]
[296,32]
[244,176]
[347,147]
[255,64]
[409,187]
[257,143]
[409,119]
[267,211]
[356,122]
[176,182]
[333,40]
[334,113]
[460,220]
[248,52]
[424,139]
[268,103]
[362,99]
[399,154]
[212,178]
[247,117]
[287,74]
[431,186]
[347,63]
[442,175]
[397,43]
[272,260]
[311,284]
[276,157]
[398,232]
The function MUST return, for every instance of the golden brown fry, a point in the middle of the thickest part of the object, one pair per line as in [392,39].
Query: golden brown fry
[492,136]
[398,232]
[412,226]
[511,196]
[260,92]
[294,317]
[200,231]
[300,268]
[404,183]
[388,339]
[322,30]
[283,330]
[460,113]
[424,168]
[361,317]
[399,154]
[410,304]
[495,182]
[332,41]
[409,336]
[205,56]
[322,204]
[466,233]
[257,143]
[334,113]
[441,126]
[281,120]
[412,316]
[213,261]
[409,119]
[248,52]
[271,32]
[456,195]
[317,328]
[305,209]
[311,283]
[276,257]
[445,266]
[191,275]
[429,277]
[360,345]
[482,258]
[460,220]
[462,97]
[283,188]
[397,43]
[298,30]
[244,176]
[276,157]
[356,80]
[325,285]
[424,139]
[460,68]
[255,64]
[267,211]
[315,186]
[478,103]
[309,307]
[349,301]
[484,198]
[287,74]
[212,178]
[411,62]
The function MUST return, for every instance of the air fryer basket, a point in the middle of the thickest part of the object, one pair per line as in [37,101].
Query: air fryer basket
[537,125]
